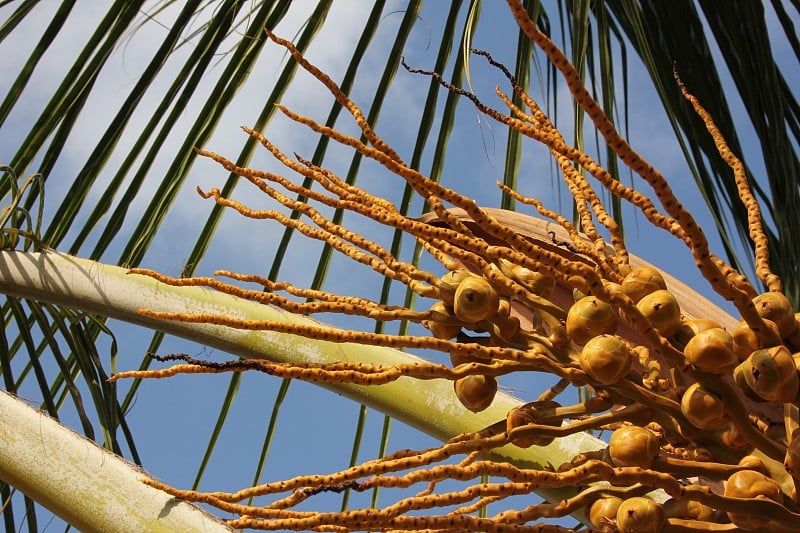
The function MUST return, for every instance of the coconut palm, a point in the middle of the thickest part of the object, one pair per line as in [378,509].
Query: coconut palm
[105,169]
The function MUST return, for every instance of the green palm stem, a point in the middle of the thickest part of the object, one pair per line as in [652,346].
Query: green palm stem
[86,485]
[107,290]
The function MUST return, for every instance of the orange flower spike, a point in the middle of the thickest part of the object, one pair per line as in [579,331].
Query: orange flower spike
[713,269]
[447,217]
[426,187]
[257,178]
[583,194]
[558,146]
[353,372]
[340,96]
[445,260]
[332,234]
[331,303]
[372,207]
[577,243]
[398,462]
[298,291]
[555,141]
[351,191]
[532,360]
[164,373]
[578,185]
[771,280]
[575,239]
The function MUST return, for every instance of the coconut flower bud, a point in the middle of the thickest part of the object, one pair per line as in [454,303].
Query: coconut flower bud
[746,341]
[533,414]
[733,438]
[588,318]
[475,299]
[606,358]
[776,307]
[603,511]
[443,324]
[450,281]
[536,282]
[504,307]
[505,327]
[703,408]
[640,515]
[642,281]
[633,446]
[662,310]
[476,392]
[689,329]
[712,351]
[771,373]
[750,484]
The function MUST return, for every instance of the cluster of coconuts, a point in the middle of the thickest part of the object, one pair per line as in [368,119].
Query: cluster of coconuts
[764,373]
[637,514]
[634,446]
[470,302]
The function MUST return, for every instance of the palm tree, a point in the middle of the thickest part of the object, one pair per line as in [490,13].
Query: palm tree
[186,88]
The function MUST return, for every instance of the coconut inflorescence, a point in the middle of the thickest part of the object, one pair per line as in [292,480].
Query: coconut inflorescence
[702,413]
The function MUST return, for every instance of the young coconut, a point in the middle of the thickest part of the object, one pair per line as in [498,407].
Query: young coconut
[443,324]
[745,340]
[689,329]
[776,307]
[476,392]
[640,515]
[772,374]
[588,318]
[712,351]
[750,484]
[475,299]
[633,446]
[662,310]
[603,511]
[516,418]
[703,408]
[606,358]
[449,281]
[536,282]
[536,413]
[688,510]
[642,281]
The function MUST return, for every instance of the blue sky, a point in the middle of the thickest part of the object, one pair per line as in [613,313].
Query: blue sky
[172,420]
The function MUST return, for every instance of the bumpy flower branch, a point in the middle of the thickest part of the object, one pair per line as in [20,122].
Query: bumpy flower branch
[706,415]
